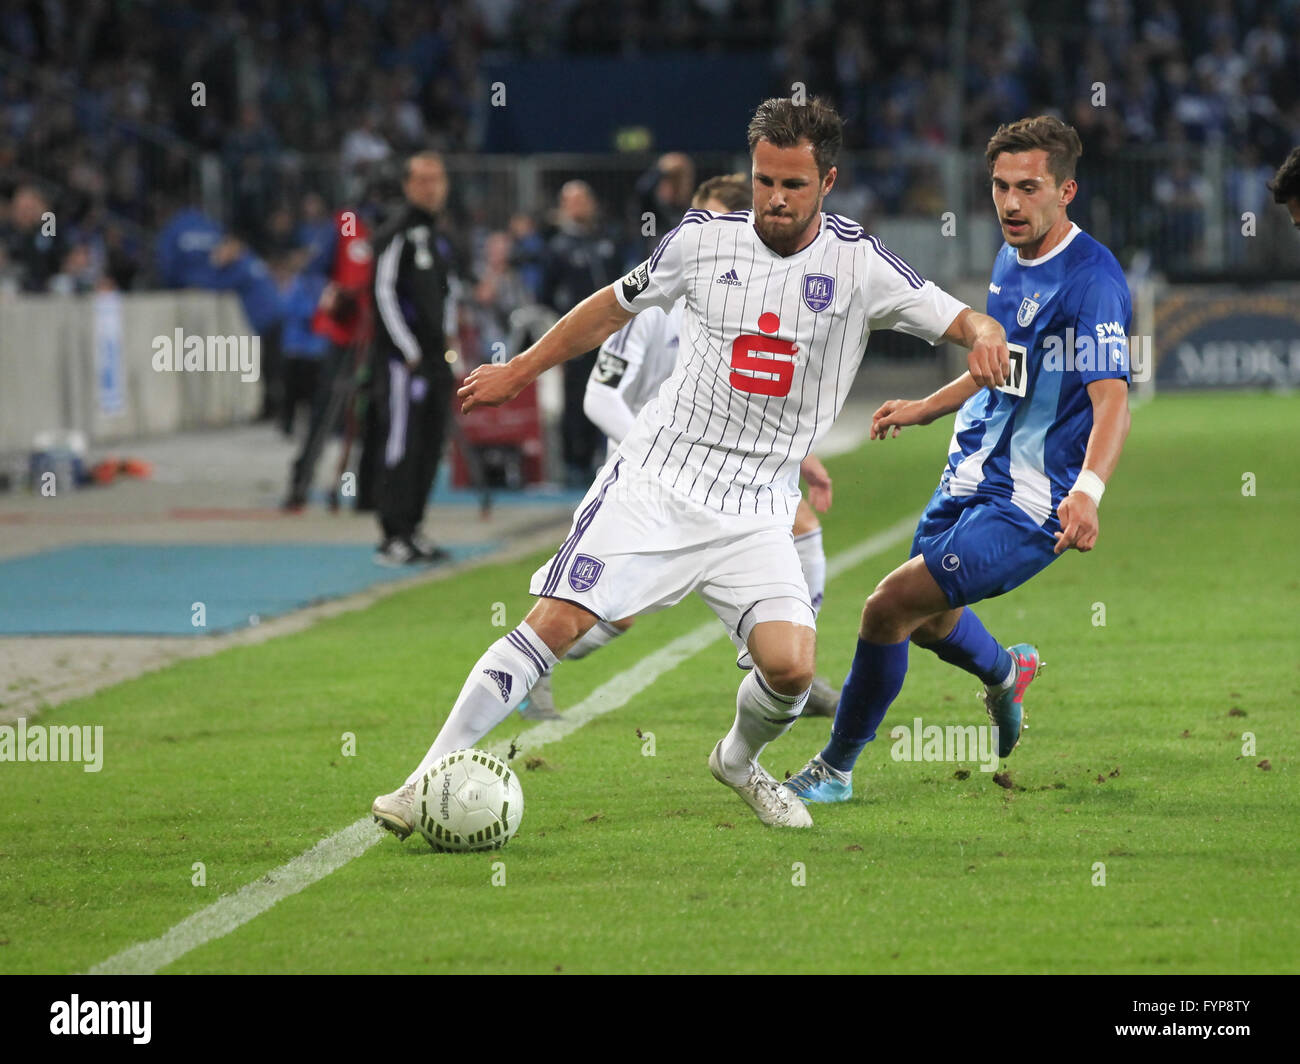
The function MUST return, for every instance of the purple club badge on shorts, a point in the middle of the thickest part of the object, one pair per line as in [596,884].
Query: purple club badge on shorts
[585,572]
[818,291]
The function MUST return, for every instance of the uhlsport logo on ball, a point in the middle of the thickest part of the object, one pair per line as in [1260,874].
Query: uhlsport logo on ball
[470,800]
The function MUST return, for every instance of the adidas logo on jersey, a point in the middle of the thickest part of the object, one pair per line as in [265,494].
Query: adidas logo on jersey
[502,680]
[729,278]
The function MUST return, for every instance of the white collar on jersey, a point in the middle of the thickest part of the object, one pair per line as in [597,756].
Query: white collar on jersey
[1074,231]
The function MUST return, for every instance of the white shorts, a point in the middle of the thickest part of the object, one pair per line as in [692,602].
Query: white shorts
[637,545]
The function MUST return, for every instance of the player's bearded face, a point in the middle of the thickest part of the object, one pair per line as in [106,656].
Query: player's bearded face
[1029,202]
[788,194]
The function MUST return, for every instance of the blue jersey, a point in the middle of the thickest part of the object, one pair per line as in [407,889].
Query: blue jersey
[1067,317]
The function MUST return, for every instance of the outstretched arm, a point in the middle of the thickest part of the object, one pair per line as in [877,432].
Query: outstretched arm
[586,326]
[989,365]
[898,413]
[1110,423]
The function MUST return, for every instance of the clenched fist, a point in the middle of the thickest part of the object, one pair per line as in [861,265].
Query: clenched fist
[989,362]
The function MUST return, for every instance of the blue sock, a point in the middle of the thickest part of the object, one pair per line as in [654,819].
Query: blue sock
[969,646]
[874,681]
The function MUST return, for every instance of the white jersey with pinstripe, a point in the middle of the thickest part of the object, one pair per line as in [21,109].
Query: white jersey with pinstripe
[631,366]
[769,347]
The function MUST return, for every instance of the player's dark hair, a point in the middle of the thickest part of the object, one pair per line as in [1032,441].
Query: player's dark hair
[1286,182]
[784,123]
[733,190]
[1053,136]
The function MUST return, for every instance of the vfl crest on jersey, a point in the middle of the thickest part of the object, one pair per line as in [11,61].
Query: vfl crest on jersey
[1026,313]
[818,291]
[585,572]
[636,282]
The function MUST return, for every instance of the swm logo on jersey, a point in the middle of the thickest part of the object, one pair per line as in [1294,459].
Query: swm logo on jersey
[818,291]
[730,277]
[1026,312]
[1112,333]
[585,572]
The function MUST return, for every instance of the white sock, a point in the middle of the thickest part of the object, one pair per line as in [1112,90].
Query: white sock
[598,635]
[843,777]
[762,715]
[812,559]
[499,681]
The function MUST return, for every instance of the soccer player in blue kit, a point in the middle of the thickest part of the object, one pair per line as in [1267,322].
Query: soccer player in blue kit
[1030,455]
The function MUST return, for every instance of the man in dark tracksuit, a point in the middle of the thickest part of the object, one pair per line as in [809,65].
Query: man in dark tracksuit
[412,380]
[580,259]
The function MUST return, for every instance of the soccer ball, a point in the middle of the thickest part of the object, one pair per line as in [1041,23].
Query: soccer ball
[470,800]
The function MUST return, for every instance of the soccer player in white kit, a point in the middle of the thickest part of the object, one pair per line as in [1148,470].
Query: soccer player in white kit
[701,493]
[629,371]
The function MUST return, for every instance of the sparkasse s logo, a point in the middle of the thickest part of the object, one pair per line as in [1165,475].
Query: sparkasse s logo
[102,1017]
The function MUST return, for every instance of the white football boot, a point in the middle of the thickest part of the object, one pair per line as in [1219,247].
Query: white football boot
[773,803]
[396,812]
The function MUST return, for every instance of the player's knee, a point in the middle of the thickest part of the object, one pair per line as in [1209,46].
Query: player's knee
[881,605]
[789,670]
[789,673]
[884,616]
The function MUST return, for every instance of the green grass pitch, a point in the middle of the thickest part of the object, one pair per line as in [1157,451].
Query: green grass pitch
[629,863]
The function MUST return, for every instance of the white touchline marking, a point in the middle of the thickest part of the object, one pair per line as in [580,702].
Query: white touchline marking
[232,911]
[229,912]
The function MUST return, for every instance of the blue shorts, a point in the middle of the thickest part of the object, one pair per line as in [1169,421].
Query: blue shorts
[976,546]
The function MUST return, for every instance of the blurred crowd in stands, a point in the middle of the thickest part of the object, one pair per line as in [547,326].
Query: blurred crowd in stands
[106,151]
